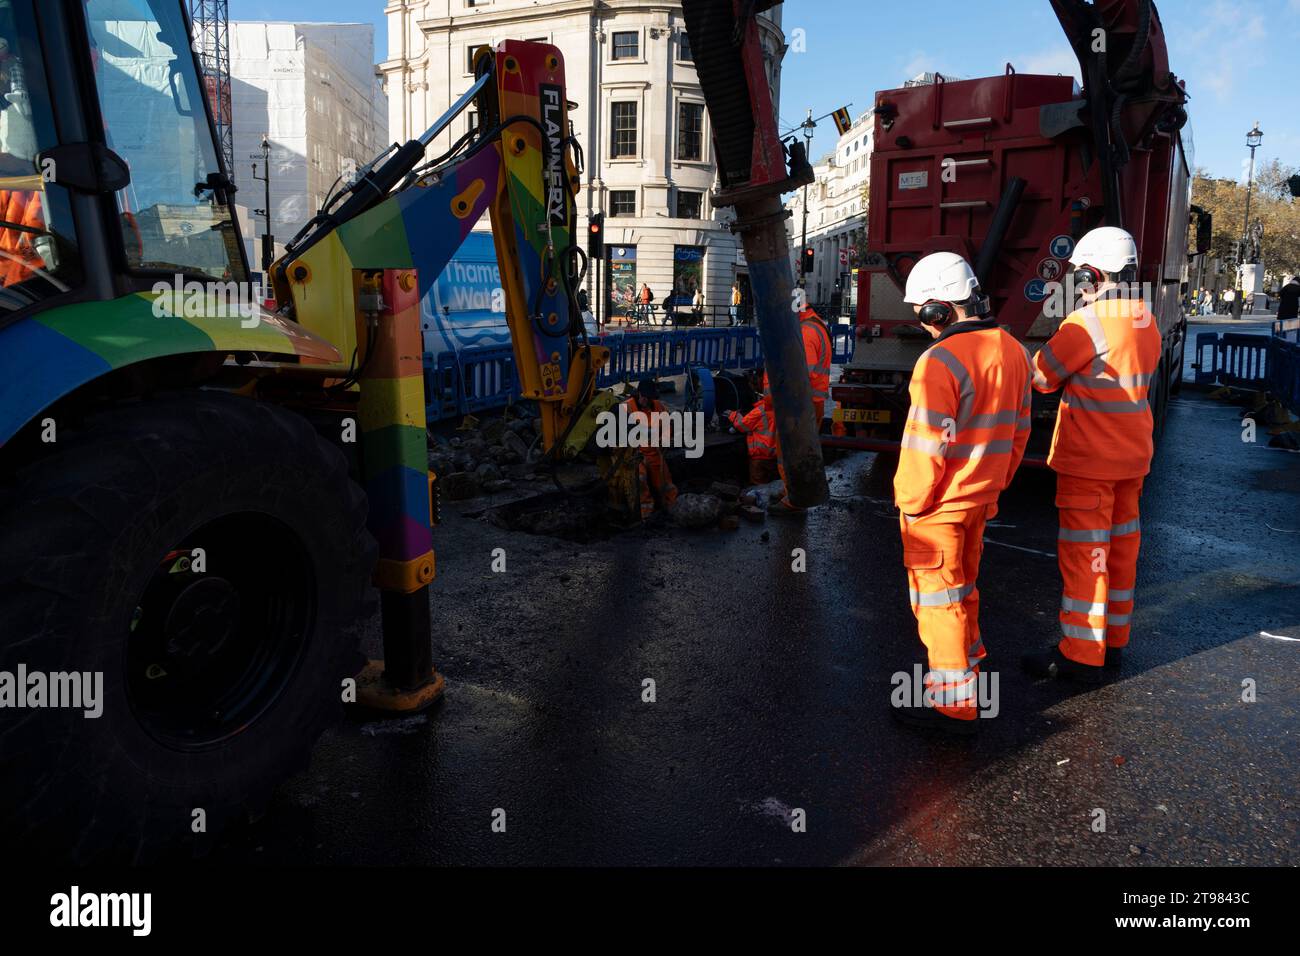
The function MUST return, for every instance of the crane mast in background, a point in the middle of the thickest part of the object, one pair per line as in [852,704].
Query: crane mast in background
[212,43]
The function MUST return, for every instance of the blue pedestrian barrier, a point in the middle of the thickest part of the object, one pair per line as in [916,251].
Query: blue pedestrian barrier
[480,377]
[1260,362]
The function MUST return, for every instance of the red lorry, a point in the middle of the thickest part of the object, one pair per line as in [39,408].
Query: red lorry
[1010,171]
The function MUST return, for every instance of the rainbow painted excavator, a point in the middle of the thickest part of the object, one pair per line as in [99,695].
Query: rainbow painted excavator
[196,492]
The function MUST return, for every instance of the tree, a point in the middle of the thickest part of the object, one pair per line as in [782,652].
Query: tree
[1271,203]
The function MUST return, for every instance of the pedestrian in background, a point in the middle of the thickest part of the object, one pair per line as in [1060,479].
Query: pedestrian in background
[1288,300]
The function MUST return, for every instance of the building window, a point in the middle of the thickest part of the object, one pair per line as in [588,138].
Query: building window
[622,202]
[690,131]
[469,55]
[684,47]
[690,205]
[622,125]
[627,45]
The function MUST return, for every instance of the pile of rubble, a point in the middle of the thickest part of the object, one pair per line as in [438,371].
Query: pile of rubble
[484,459]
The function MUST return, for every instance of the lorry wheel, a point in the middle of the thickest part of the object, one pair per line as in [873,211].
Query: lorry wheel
[205,559]
[1176,373]
[1159,401]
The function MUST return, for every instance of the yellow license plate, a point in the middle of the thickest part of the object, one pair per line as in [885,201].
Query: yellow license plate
[861,416]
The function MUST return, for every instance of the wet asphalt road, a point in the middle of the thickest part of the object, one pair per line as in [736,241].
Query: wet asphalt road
[772,693]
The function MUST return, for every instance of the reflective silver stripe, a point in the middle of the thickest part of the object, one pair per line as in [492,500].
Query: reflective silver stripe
[819,394]
[1083,633]
[1049,356]
[975,654]
[1078,534]
[930,417]
[1128,527]
[939,598]
[993,421]
[1113,408]
[966,386]
[1117,381]
[979,450]
[1118,620]
[930,446]
[1120,595]
[950,687]
[1096,609]
[1095,331]
[1023,422]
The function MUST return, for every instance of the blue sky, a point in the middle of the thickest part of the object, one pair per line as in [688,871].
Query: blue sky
[1240,58]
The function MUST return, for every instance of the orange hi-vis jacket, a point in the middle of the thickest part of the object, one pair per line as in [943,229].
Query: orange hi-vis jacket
[817,352]
[968,426]
[1106,357]
[19,254]
[759,428]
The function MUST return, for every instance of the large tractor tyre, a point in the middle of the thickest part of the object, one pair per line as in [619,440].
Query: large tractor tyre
[208,556]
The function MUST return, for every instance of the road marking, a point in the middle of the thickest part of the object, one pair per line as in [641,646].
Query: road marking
[1279,637]
[1016,547]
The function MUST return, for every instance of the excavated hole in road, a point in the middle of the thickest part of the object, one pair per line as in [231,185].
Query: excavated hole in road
[587,518]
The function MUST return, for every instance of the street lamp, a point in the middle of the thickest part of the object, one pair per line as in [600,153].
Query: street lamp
[1253,139]
[268,239]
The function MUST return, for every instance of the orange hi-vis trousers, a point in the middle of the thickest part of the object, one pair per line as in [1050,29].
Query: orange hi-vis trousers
[942,555]
[1098,544]
[656,481]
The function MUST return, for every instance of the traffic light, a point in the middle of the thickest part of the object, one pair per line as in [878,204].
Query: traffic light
[596,236]
[806,262]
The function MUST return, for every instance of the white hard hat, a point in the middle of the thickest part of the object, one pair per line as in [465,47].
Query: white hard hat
[940,277]
[1109,248]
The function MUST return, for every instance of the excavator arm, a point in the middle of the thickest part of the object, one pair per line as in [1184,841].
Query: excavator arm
[520,167]
[357,272]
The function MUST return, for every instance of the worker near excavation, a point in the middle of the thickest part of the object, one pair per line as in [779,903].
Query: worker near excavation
[964,438]
[817,354]
[758,426]
[1105,356]
[656,481]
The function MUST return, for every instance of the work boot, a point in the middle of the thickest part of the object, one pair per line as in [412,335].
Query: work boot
[1114,658]
[783,509]
[927,718]
[1051,663]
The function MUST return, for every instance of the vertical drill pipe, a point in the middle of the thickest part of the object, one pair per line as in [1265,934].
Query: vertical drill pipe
[762,230]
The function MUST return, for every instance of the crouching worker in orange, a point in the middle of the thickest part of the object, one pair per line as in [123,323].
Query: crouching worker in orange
[1105,355]
[759,428]
[964,438]
[644,408]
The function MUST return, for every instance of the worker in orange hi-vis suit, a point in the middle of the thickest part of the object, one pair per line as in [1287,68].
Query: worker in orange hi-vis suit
[964,438]
[817,353]
[1105,355]
[657,488]
[759,428]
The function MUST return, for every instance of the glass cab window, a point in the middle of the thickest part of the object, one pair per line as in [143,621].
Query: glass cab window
[38,252]
[150,97]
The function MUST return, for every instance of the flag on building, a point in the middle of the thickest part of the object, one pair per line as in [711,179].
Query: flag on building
[842,119]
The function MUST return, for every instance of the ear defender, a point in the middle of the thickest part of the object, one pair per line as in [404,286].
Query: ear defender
[1087,275]
[937,314]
